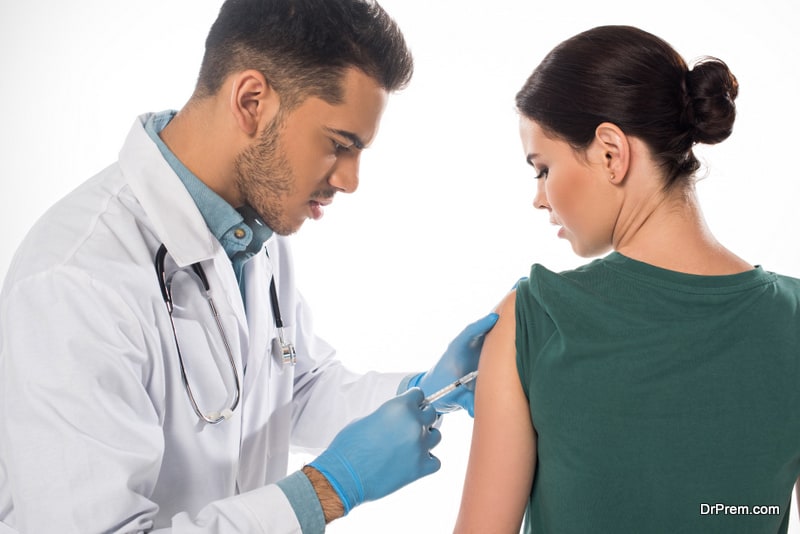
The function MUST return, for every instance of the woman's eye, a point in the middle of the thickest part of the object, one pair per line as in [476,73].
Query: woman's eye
[542,174]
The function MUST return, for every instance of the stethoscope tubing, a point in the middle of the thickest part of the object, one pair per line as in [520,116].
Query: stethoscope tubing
[288,352]
[166,292]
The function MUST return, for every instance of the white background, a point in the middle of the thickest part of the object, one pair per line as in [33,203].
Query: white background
[442,224]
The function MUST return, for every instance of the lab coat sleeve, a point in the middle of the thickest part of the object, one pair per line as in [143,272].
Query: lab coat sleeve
[327,395]
[80,426]
[253,511]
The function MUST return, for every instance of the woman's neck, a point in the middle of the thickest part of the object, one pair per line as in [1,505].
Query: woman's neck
[668,230]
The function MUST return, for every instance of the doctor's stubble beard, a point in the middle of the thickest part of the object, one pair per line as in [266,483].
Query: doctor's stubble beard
[264,177]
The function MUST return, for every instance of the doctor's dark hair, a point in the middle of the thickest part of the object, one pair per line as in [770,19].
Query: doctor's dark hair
[631,78]
[303,47]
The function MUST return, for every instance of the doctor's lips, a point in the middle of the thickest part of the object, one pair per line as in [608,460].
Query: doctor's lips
[318,207]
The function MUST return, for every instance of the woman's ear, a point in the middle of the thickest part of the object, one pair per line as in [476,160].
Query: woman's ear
[253,102]
[615,149]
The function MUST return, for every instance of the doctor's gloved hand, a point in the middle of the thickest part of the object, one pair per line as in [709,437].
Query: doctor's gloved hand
[382,452]
[460,358]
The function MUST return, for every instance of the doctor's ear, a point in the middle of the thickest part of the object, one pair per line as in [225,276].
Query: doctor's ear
[616,150]
[253,101]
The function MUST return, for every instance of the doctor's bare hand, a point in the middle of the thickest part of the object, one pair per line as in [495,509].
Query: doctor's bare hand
[382,452]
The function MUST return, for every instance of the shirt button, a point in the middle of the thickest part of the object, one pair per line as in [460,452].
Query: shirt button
[239,233]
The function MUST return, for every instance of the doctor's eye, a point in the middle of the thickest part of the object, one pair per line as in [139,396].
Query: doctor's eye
[542,174]
[339,148]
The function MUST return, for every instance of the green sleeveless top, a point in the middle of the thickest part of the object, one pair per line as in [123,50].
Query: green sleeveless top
[662,401]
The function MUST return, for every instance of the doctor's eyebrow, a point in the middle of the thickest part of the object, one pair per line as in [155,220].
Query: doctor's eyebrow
[350,136]
[530,159]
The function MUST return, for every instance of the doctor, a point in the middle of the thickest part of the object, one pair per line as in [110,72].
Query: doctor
[157,361]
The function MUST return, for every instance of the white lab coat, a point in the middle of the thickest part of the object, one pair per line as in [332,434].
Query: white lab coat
[96,430]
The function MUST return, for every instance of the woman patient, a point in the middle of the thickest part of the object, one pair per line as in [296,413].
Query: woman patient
[656,389]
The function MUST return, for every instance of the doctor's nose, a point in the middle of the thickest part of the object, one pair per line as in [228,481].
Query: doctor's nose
[345,174]
[540,199]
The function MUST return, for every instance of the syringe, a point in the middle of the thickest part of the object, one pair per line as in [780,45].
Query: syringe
[467,378]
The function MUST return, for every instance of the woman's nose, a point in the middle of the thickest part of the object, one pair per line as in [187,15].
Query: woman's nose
[540,199]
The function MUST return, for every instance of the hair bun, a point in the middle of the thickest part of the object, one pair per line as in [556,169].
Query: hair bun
[712,89]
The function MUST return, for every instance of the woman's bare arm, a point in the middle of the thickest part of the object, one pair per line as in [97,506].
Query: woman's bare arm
[503,453]
[797,495]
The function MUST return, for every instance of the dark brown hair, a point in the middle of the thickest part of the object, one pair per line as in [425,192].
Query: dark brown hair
[303,47]
[631,78]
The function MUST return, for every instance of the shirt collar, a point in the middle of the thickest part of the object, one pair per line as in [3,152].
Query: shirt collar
[237,230]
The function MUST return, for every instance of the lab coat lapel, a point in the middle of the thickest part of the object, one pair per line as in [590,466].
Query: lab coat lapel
[176,219]
[258,272]
[258,420]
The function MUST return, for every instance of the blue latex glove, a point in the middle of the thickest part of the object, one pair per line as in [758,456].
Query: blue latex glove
[460,358]
[382,452]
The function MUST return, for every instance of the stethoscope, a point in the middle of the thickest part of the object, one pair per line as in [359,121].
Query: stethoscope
[288,353]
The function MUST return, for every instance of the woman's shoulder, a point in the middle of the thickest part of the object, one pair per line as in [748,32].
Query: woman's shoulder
[541,276]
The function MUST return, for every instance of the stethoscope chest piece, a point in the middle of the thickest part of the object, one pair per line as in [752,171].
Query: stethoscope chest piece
[285,349]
